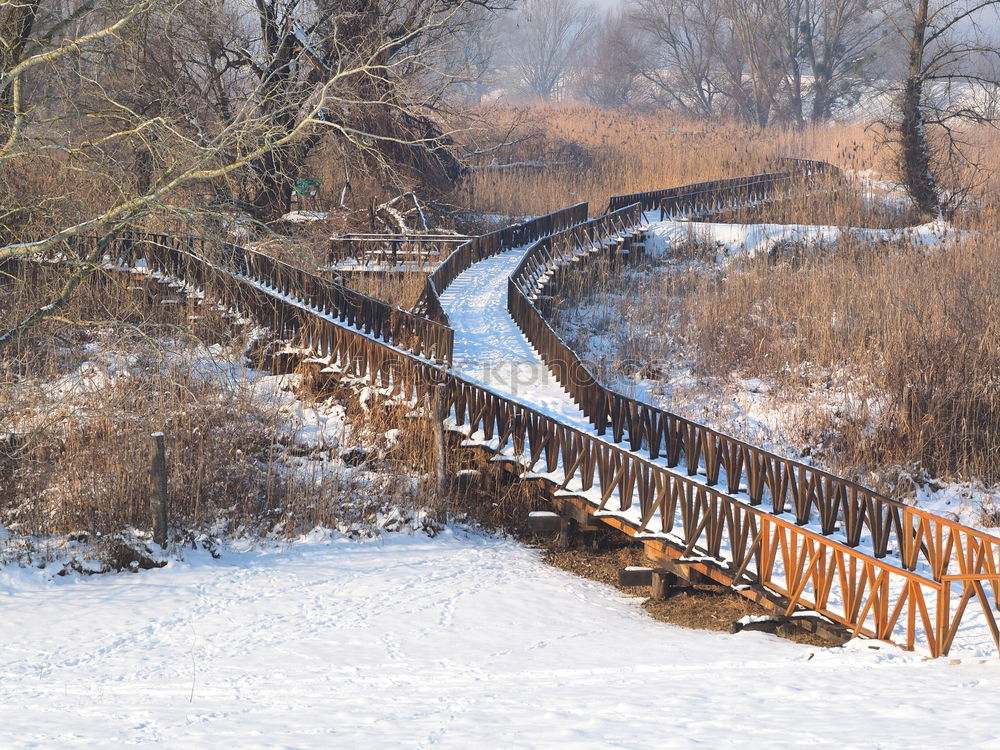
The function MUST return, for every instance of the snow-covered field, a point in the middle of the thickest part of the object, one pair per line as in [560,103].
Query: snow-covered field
[461,641]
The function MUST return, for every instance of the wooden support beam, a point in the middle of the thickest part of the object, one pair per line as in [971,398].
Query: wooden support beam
[545,522]
[663,581]
[635,576]
[576,508]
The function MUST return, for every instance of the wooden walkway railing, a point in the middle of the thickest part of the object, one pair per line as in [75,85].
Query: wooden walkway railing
[391,250]
[641,496]
[714,196]
[919,540]
[543,257]
[229,270]
[488,245]
[736,512]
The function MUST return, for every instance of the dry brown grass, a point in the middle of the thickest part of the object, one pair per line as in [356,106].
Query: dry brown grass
[83,395]
[834,202]
[399,289]
[613,151]
[918,330]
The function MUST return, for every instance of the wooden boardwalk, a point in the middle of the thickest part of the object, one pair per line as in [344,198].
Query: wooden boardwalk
[705,504]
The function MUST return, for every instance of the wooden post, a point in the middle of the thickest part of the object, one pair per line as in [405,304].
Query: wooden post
[564,537]
[661,583]
[439,413]
[159,475]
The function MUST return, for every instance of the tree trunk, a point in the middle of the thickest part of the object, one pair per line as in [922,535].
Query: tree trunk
[274,179]
[915,154]
[16,23]
[821,105]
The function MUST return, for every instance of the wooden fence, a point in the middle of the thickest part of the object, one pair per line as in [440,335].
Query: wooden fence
[713,196]
[943,551]
[488,245]
[875,597]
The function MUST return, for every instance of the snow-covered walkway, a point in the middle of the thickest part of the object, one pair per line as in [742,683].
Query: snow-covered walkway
[489,347]
[461,641]
[491,350]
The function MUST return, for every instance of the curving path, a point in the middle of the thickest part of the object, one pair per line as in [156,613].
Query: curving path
[871,563]
[489,347]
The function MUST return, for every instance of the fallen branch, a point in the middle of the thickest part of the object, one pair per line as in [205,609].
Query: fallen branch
[517,165]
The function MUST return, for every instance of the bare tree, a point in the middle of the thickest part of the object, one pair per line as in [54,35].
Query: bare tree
[468,66]
[839,42]
[612,72]
[950,77]
[108,122]
[371,66]
[757,26]
[688,42]
[546,40]
[761,60]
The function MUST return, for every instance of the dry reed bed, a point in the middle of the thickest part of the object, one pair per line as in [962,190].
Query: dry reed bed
[610,152]
[919,328]
[251,452]
[904,341]
[834,201]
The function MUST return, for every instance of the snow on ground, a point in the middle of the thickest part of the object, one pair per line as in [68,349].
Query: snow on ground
[489,347]
[969,503]
[733,240]
[461,641]
[304,217]
[880,193]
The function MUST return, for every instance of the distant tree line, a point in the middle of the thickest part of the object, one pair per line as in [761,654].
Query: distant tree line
[921,68]
[111,110]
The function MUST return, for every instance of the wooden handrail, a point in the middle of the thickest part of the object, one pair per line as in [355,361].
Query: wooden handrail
[920,539]
[380,248]
[486,246]
[744,468]
[187,258]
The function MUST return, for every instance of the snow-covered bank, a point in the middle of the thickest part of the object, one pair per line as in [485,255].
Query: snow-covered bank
[461,641]
[248,453]
[733,240]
